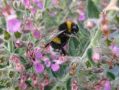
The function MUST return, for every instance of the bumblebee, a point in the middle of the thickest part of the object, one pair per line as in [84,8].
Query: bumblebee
[67,29]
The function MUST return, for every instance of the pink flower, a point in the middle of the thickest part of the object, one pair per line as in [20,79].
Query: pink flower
[81,16]
[74,85]
[41,87]
[36,34]
[55,67]
[107,85]
[55,2]
[13,24]
[15,59]
[98,87]
[115,50]
[60,60]
[96,57]
[47,63]
[19,67]
[26,3]
[28,26]
[33,11]
[18,43]
[39,3]
[90,24]
[34,80]
[38,55]
[8,11]
[39,68]
[22,85]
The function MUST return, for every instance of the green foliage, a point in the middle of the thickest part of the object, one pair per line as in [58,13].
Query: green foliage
[6,35]
[48,87]
[92,10]
[1,31]
[11,74]
[90,53]
[17,34]
[19,51]
[110,75]
[88,64]
[108,42]
[68,84]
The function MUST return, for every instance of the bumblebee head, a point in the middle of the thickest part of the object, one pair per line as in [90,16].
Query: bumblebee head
[69,27]
[72,28]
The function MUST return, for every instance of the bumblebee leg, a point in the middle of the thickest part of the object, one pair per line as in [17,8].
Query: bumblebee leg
[63,51]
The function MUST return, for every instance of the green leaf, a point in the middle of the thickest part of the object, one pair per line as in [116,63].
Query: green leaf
[73,47]
[28,66]
[59,88]
[1,31]
[19,13]
[1,86]
[23,59]
[20,51]
[17,34]
[6,35]
[89,53]
[92,10]
[8,84]
[88,64]
[110,75]
[48,87]
[2,22]
[108,42]
[117,18]
[17,88]
[96,2]
[47,3]
[11,74]
[28,82]
[68,84]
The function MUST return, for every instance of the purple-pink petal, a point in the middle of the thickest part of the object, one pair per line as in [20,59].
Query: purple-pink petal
[36,34]
[81,16]
[39,68]
[40,5]
[115,50]
[47,63]
[38,55]
[13,25]
[26,3]
[55,67]
[107,85]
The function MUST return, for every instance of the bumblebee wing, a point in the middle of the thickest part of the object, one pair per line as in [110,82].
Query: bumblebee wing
[52,36]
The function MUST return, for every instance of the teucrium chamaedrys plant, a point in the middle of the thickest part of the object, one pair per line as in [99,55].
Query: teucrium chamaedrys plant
[92,60]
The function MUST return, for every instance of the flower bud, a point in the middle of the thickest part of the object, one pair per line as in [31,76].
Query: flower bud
[96,57]
[19,67]
[90,25]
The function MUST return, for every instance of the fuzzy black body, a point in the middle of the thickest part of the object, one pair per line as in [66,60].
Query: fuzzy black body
[61,40]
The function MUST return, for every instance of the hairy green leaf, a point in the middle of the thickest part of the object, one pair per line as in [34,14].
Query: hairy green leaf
[110,75]
[92,10]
